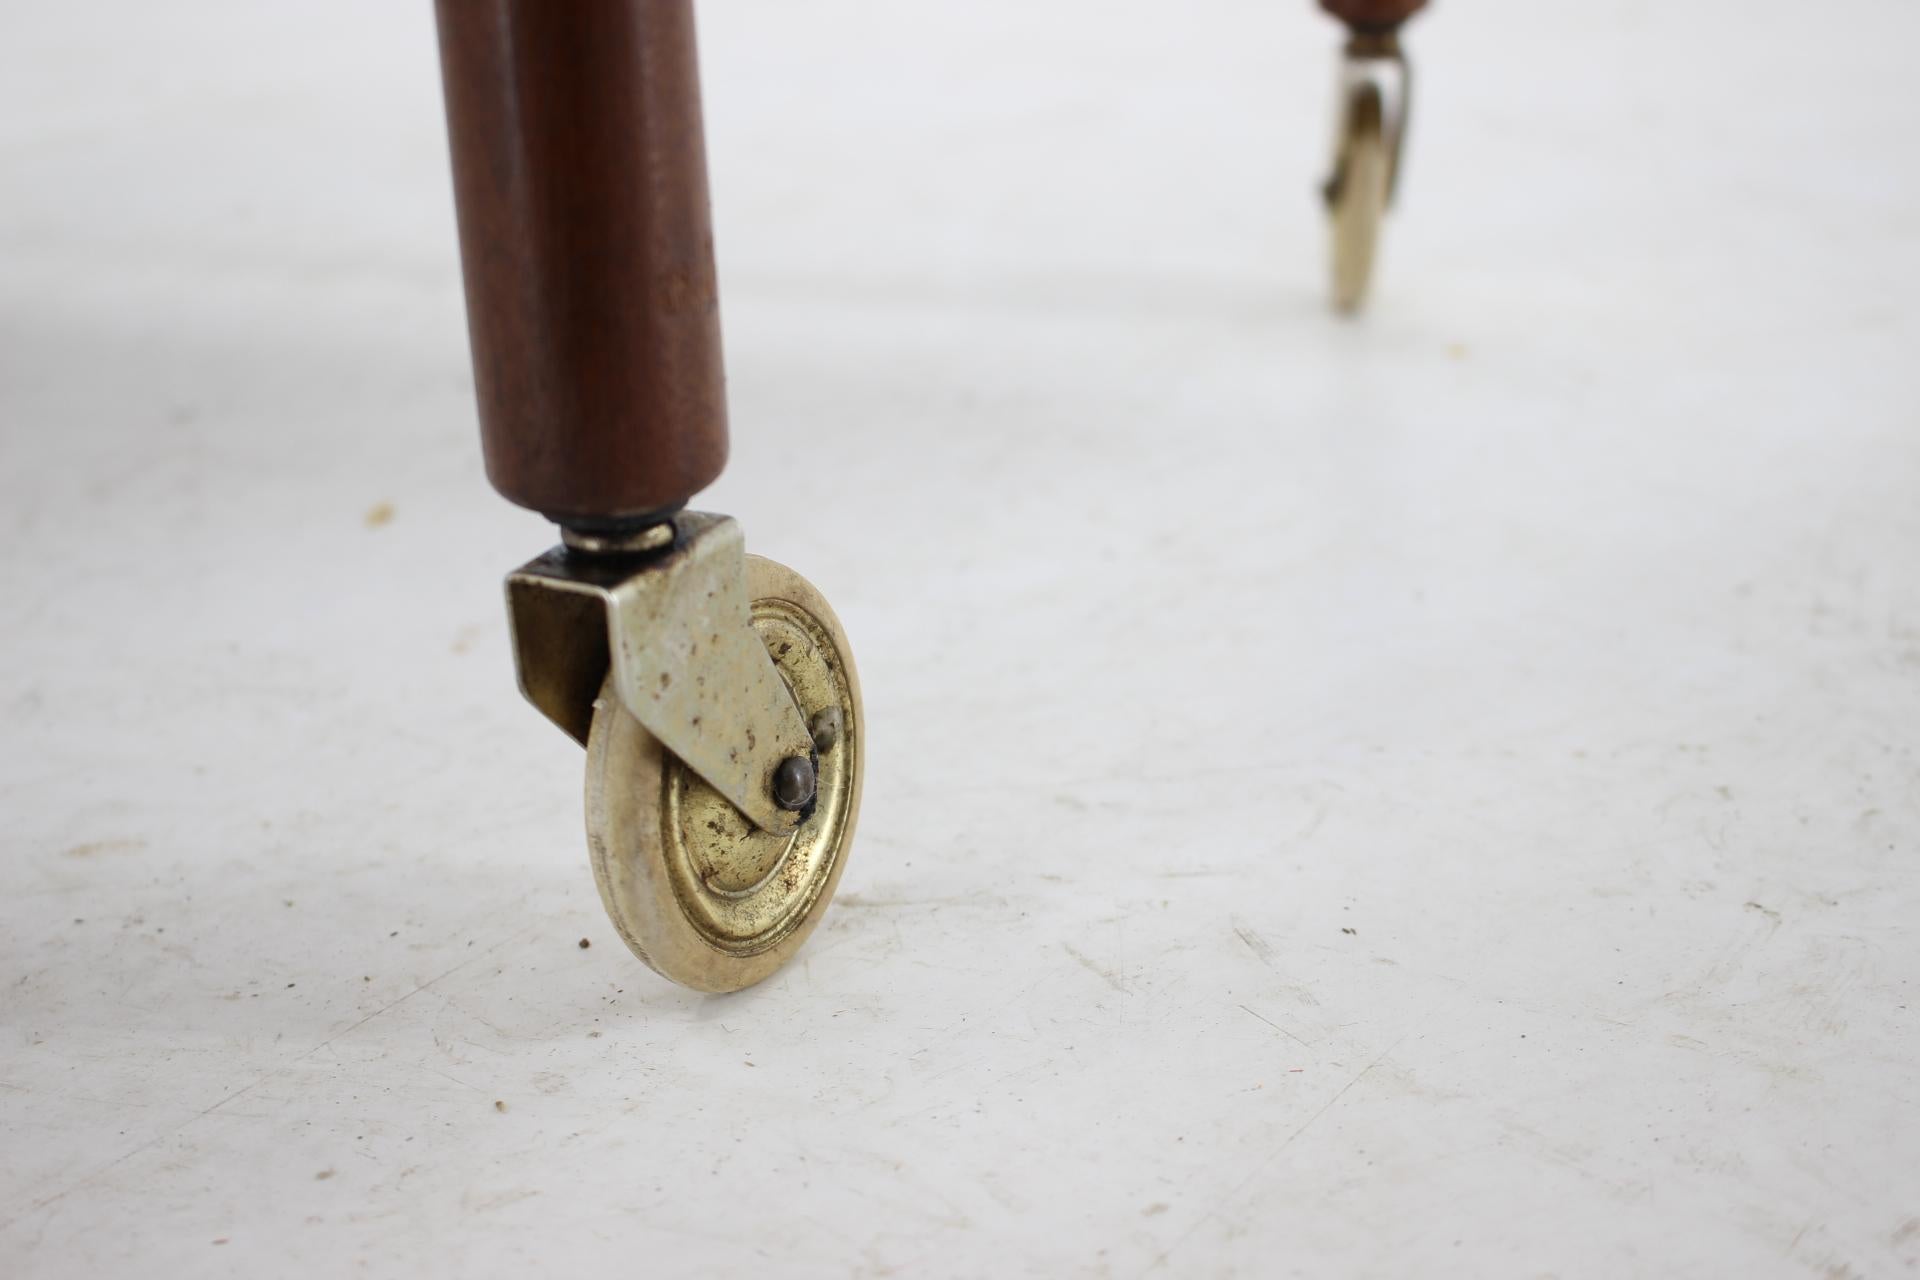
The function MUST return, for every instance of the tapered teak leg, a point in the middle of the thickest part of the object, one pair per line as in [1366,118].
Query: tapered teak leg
[580,174]
[714,691]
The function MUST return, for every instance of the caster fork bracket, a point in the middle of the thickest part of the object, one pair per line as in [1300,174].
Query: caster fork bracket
[674,626]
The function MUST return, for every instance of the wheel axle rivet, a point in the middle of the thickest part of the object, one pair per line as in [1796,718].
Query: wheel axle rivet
[794,783]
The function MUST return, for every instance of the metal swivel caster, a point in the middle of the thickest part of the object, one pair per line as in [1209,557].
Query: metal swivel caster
[715,694]
[714,691]
[1369,133]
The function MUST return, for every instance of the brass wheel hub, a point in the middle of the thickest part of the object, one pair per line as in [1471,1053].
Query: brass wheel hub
[741,888]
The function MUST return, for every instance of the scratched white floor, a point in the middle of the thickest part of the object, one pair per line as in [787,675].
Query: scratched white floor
[1436,795]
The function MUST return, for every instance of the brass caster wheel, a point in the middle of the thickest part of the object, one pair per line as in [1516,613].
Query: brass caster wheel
[715,694]
[703,895]
[1370,130]
[1357,197]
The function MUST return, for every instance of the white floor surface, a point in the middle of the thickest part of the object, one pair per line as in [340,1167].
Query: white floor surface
[1435,795]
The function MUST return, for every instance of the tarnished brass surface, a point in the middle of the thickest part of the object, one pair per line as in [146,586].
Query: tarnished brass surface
[694,889]
[668,633]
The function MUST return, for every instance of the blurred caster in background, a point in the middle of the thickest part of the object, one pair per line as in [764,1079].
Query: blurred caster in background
[1370,128]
